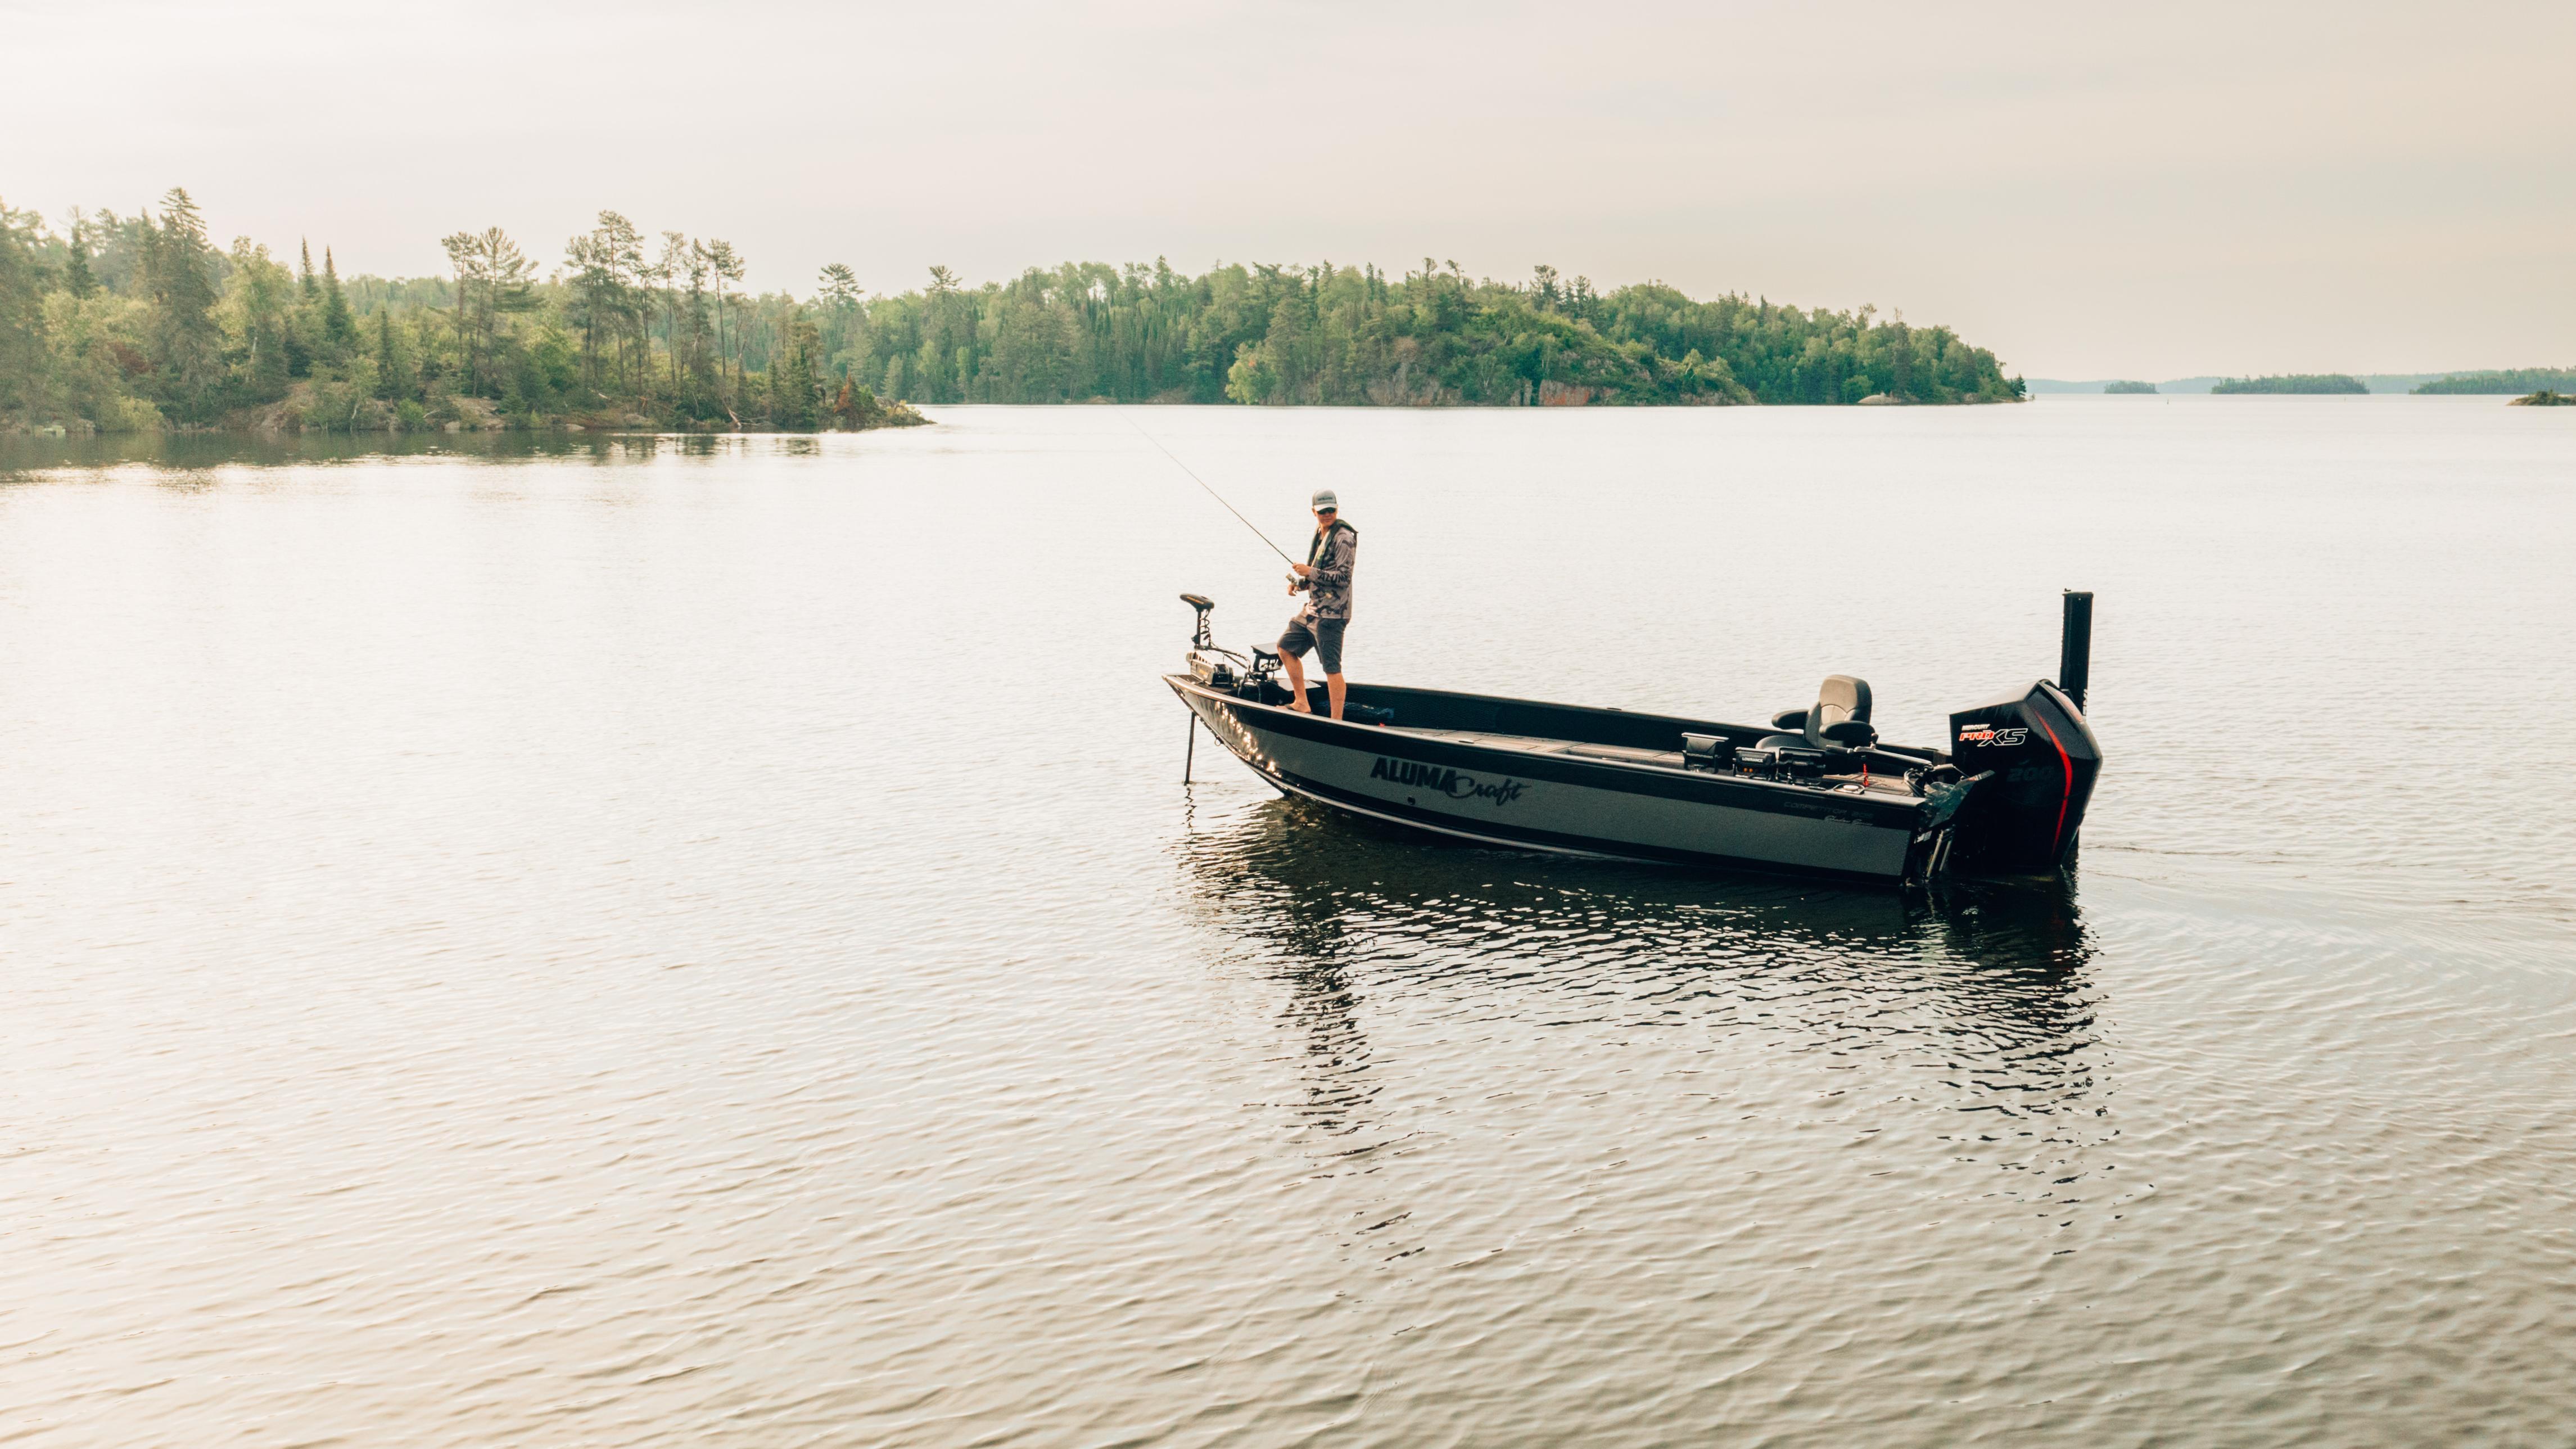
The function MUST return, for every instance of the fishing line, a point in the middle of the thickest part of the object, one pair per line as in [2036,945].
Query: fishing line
[1211,492]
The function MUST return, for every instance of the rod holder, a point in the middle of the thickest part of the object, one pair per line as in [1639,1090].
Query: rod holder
[2075,646]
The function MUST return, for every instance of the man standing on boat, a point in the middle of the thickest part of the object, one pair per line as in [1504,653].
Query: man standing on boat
[1325,579]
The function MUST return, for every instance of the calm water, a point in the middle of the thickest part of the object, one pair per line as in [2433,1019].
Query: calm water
[625,943]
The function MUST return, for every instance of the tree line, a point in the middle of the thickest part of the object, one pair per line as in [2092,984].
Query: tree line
[1355,336]
[2504,380]
[2294,382]
[130,322]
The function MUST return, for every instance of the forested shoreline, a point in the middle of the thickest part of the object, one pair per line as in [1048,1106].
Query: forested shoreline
[2502,382]
[2304,383]
[129,323]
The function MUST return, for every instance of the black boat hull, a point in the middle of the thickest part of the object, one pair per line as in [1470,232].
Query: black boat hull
[1459,784]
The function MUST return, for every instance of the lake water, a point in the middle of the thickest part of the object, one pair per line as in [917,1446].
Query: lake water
[679,942]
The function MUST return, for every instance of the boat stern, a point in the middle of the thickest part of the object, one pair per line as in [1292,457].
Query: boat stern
[2033,760]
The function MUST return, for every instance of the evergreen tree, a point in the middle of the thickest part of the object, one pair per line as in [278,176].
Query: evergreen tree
[304,268]
[494,279]
[795,386]
[77,277]
[607,301]
[22,315]
[394,380]
[183,343]
[668,269]
[339,330]
[725,264]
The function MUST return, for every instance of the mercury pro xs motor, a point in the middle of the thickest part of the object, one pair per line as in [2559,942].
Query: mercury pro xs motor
[2037,759]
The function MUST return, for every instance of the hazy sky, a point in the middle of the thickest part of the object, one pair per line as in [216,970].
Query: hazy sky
[2142,190]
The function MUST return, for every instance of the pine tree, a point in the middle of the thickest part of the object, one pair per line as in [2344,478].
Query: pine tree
[77,277]
[339,330]
[493,280]
[393,363]
[22,316]
[304,332]
[184,342]
[793,384]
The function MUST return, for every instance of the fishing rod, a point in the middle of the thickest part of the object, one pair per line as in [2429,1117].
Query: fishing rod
[1191,755]
[1211,492]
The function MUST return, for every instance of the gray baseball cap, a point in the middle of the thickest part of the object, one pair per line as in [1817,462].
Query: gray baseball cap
[1326,502]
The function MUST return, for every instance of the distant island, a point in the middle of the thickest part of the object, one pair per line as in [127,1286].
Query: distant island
[122,323]
[2295,382]
[2546,398]
[2505,382]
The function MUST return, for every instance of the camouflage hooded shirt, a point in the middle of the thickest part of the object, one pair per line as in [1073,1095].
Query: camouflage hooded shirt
[1332,555]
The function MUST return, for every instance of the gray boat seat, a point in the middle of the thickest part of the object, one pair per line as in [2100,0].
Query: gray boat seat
[1839,698]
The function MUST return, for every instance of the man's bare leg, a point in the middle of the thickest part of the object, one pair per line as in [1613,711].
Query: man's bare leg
[1334,687]
[1296,682]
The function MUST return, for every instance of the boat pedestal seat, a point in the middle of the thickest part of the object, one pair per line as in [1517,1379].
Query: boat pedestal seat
[1840,699]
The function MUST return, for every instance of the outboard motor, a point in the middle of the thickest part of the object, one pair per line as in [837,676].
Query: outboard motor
[2039,759]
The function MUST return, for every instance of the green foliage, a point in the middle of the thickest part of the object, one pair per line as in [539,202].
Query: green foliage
[22,314]
[183,341]
[1356,336]
[2294,382]
[795,383]
[94,358]
[494,280]
[339,330]
[258,320]
[2505,381]
[396,376]
[134,321]
[77,277]
[2129,387]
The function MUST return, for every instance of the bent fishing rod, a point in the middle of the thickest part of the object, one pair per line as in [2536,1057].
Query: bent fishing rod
[1211,492]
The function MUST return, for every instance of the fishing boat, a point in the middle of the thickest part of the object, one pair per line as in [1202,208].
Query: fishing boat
[1813,792]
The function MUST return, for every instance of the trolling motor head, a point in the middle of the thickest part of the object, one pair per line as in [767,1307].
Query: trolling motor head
[1200,639]
[1216,668]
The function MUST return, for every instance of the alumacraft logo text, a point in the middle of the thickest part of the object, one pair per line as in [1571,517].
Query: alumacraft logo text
[1451,783]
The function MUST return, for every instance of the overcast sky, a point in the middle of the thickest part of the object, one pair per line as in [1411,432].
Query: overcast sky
[2146,190]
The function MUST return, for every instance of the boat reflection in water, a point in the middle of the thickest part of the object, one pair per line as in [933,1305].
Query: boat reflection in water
[1417,975]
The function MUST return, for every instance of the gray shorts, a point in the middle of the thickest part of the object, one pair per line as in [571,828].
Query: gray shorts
[1324,636]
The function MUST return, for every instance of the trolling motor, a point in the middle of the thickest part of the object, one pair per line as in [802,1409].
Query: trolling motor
[1216,668]
[1223,668]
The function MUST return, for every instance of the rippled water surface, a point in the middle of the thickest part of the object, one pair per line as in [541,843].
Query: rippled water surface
[635,942]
